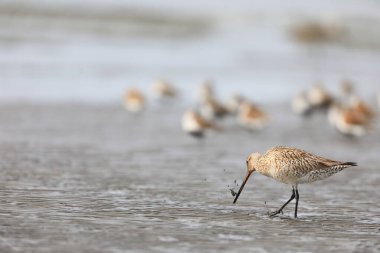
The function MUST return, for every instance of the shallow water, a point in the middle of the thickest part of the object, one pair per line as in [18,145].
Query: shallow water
[95,179]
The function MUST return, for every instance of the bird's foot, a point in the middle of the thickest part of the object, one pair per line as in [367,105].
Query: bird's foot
[272,214]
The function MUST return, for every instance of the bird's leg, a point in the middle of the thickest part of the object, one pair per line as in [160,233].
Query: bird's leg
[287,202]
[297,198]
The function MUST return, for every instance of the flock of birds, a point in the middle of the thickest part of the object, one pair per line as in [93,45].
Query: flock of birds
[196,121]
[347,113]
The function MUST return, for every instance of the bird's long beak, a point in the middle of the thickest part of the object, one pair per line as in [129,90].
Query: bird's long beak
[242,186]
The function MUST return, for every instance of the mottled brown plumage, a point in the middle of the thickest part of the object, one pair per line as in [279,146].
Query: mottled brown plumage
[292,166]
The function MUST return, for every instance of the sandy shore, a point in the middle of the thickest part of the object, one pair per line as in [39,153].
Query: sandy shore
[89,178]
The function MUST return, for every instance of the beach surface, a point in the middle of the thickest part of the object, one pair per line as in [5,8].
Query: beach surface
[92,178]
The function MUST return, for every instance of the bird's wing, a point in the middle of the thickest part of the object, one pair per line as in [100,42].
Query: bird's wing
[255,112]
[353,118]
[299,162]
[363,108]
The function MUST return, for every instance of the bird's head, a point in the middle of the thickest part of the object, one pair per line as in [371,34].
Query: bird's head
[252,161]
[251,164]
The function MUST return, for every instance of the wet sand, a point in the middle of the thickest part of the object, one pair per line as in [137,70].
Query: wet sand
[89,178]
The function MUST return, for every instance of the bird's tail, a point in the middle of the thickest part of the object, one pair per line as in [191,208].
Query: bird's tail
[341,166]
[349,164]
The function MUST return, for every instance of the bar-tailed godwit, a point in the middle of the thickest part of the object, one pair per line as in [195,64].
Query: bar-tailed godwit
[134,101]
[291,166]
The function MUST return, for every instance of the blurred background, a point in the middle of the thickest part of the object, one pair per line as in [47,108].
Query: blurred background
[91,51]
[80,174]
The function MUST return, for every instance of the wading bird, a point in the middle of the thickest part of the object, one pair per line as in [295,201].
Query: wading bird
[252,117]
[134,101]
[291,166]
[195,125]
[319,97]
[348,121]
[212,109]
